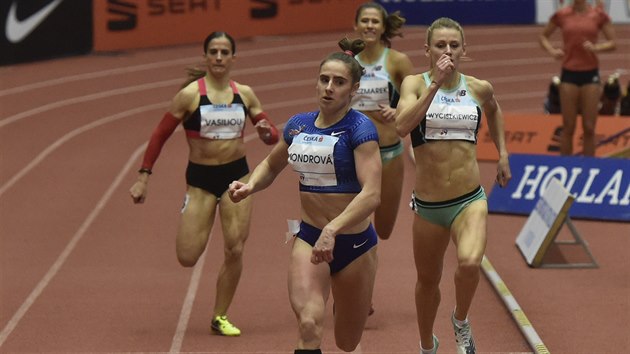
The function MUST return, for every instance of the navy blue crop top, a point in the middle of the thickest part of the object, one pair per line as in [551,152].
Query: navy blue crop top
[324,158]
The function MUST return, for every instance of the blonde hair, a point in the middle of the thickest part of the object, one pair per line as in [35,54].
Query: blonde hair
[444,22]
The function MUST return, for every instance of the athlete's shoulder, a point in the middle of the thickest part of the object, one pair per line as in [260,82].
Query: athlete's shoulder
[400,62]
[564,11]
[472,81]
[482,89]
[243,90]
[187,97]
[358,115]
[192,88]
[413,79]
[360,121]
[302,118]
[397,55]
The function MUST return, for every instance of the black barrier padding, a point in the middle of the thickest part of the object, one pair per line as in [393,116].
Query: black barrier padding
[44,29]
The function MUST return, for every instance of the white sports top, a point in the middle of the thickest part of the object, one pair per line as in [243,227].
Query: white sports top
[375,86]
[453,115]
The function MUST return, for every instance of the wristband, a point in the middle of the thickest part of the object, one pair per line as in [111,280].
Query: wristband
[145,170]
[273,131]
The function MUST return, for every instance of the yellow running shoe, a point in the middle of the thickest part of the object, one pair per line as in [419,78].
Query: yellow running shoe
[221,326]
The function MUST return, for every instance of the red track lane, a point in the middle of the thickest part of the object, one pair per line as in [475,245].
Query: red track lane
[84,270]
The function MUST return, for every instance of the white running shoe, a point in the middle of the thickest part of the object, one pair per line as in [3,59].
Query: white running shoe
[463,338]
[436,344]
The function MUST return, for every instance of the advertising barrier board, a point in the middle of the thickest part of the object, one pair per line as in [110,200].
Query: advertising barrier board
[600,186]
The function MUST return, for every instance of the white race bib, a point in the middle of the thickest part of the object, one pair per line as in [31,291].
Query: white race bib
[311,156]
[371,93]
[222,121]
[446,122]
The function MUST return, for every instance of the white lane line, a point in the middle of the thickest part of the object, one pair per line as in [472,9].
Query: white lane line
[412,35]
[54,269]
[59,142]
[189,300]
[527,329]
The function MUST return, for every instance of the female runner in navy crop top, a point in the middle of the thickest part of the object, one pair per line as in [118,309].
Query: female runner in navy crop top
[335,153]
[442,110]
[213,109]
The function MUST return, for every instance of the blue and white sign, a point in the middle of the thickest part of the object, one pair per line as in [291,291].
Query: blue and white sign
[600,186]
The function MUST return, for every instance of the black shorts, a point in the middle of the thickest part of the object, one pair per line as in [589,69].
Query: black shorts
[580,78]
[216,179]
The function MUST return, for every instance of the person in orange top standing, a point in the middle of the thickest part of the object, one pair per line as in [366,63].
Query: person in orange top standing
[580,87]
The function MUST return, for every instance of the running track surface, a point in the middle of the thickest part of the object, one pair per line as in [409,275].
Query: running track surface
[85,270]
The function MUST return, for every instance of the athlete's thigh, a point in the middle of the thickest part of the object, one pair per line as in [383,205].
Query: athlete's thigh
[429,245]
[589,104]
[469,232]
[197,217]
[235,219]
[352,291]
[391,184]
[569,99]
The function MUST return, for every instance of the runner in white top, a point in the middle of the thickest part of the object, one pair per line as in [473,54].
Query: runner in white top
[385,69]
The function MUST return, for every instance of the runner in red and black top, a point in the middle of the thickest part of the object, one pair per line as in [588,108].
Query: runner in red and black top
[213,109]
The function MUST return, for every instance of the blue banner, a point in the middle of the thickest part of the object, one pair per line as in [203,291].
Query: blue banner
[601,186]
[466,12]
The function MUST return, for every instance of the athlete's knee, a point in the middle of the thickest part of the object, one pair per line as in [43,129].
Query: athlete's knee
[234,252]
[588,130]
[568,131]
[311,329]
[383,231]
[384,221]
[346,344]
[188,253]
[187,259]
[469,266]
[428,282]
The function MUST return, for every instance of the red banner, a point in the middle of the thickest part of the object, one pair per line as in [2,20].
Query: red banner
[124,24]
[540,134]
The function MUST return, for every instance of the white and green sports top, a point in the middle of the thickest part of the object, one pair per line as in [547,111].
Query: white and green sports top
[453,115]
[375,87]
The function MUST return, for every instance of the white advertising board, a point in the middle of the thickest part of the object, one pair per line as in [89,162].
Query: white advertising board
[543,223]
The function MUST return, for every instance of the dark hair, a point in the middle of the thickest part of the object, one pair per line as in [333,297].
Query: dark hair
[392,23]
[195,73]
[347,46]
[217,34]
